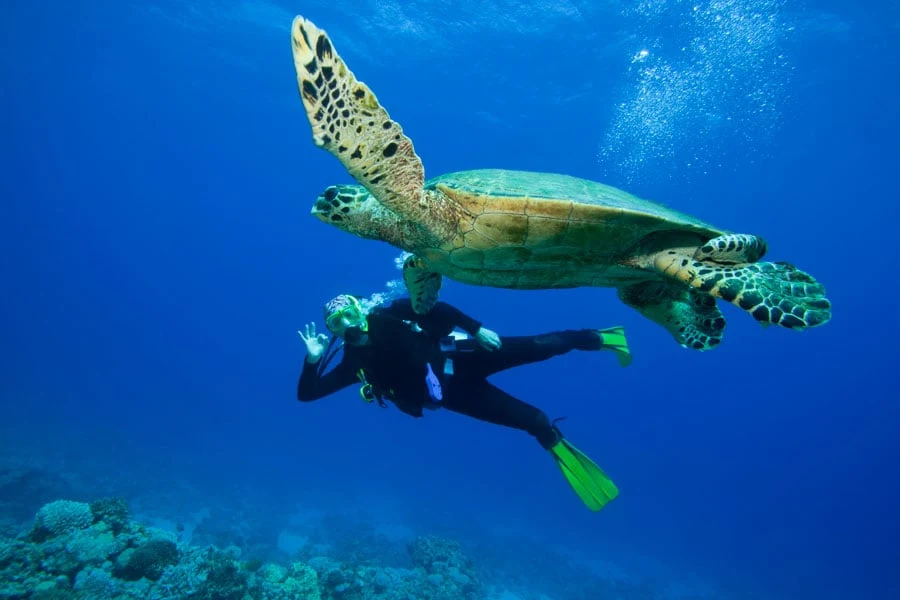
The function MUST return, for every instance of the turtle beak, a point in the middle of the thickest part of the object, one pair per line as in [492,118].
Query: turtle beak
[321,209]
[325,208]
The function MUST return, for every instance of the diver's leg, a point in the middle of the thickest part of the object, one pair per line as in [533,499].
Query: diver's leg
[486,402]
[522,350]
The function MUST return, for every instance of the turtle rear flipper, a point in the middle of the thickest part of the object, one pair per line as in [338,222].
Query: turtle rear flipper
[348,121]
[692,317]
[423,284]
[773,292]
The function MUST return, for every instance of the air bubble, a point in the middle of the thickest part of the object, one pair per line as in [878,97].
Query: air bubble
[715,80]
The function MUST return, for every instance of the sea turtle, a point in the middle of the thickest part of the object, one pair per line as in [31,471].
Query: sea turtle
[525,230]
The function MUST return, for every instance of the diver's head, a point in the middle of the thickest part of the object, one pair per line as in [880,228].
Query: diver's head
[345,318]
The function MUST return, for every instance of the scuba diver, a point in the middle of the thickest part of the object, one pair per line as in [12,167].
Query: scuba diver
[419,362]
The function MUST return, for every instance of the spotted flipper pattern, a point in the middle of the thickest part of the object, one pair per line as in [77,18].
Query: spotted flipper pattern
[691,316]
[348,122]
[732,248]
[423,285]
[773,292]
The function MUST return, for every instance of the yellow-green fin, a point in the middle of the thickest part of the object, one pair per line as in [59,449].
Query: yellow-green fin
[613,338]
[587,479]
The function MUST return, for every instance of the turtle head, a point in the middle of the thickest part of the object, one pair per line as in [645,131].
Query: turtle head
[353,209]
[347,207]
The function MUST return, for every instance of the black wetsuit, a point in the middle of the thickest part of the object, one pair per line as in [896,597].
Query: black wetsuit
[396,357]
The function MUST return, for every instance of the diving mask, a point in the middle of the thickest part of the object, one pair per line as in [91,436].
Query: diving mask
[343,313]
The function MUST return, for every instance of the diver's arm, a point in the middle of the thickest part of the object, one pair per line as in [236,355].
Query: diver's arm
[444,318]
[441,319]
[401,308]
[451,316]
[312,387]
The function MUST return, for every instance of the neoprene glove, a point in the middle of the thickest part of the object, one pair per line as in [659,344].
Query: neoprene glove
[487,338]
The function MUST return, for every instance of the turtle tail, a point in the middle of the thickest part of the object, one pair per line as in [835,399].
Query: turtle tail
[773,292]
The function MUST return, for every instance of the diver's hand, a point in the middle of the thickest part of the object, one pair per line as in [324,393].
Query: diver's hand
[487,338]
[315,344]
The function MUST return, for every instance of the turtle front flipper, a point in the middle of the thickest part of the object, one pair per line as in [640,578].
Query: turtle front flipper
[732,248]
[692,317]
[773,292]
[348,121]
[423,284]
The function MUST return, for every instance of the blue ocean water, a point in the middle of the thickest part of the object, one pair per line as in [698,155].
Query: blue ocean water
[158,257]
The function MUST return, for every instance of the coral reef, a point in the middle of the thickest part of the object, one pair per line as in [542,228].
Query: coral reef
[23,486]
[82,551]
[112,511]
[61,517]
